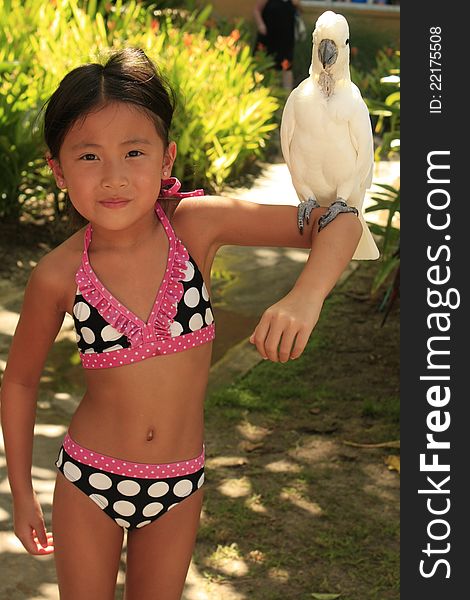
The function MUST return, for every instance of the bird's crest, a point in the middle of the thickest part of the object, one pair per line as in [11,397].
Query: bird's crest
[332,26]
[330,52]
[329,24]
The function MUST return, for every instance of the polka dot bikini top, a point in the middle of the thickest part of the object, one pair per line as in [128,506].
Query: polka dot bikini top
[110,335]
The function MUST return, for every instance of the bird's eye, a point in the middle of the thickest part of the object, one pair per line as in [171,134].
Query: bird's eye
[347,41]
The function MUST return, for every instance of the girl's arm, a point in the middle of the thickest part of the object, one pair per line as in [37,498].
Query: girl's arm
[39,323]
[290,321]
[258,9]
[285,327]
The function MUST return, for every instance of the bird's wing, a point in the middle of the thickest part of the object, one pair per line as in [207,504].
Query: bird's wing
[361,137]
[287,127]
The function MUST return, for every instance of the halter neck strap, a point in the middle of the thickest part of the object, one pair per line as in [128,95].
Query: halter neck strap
[170,189]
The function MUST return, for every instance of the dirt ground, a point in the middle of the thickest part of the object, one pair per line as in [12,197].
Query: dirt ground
[292,510]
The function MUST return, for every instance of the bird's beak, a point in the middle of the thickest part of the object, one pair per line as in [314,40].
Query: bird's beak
[327,53]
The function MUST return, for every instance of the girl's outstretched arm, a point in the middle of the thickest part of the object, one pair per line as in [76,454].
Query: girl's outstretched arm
[285,327]
[40,321]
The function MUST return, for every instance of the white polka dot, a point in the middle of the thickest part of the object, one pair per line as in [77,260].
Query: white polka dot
[77,337]
[173,505]
[205,294]
[89,351]
[209,317]
[112,348]
[201,481]
[188,272]
[128,488]
[183,488]
[175,329]
[152,509]
[196,322]
[71,471]
[100,500]
[81,311]
[88,335]
[60,459]
[100,481]
[143,523]
[191,297]
[156,490]
[122,523]
[124,508]
[109,334]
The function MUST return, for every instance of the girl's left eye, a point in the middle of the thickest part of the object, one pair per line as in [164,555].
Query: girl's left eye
[135,151]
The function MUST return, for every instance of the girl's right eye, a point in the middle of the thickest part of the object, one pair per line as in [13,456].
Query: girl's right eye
[85,157]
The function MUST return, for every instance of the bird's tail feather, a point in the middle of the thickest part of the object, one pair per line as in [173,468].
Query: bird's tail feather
[366,248]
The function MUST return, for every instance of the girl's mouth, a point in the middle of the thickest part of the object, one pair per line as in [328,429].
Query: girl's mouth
[114,202]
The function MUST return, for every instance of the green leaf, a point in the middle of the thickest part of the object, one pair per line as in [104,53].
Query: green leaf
[392,99]
[318,596]
[387,267]
[91,8]
[204,14]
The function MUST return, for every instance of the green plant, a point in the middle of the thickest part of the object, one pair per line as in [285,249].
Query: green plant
[388,124]
[226,115]
[381,91]
[370,81]
[388,273]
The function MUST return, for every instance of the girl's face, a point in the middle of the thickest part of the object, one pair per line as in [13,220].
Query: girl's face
[112,164]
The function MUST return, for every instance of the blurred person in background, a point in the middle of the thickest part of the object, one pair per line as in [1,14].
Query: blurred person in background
[275,21]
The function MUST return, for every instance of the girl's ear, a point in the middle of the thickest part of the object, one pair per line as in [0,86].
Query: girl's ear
[169,159]
[56,171]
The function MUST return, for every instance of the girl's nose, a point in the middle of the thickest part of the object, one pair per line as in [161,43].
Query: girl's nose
[114,175]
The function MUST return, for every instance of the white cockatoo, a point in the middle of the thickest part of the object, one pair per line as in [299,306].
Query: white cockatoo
[326,134]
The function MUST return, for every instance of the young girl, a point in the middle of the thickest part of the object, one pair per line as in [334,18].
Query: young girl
[136,280]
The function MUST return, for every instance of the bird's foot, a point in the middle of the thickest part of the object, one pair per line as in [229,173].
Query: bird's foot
[336,207]
[303,212]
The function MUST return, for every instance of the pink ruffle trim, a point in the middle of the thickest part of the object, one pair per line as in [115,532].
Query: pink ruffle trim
[157,328]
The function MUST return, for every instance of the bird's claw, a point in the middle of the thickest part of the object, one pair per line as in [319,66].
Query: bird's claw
[303,212]
[336,207]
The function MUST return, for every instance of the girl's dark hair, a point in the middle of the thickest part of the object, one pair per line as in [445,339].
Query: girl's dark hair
[128,75]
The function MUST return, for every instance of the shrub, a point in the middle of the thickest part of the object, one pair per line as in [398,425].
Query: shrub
[381,90]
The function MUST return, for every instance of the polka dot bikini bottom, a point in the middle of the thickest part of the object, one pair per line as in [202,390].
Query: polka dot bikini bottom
[132,494]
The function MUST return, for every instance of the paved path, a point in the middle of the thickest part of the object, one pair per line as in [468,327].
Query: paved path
[263,275]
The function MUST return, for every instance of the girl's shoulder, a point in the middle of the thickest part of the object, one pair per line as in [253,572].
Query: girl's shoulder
[56,270]
[189,217]
[66,255]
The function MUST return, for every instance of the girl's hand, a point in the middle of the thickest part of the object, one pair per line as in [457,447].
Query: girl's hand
[292,318]
[29,526]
